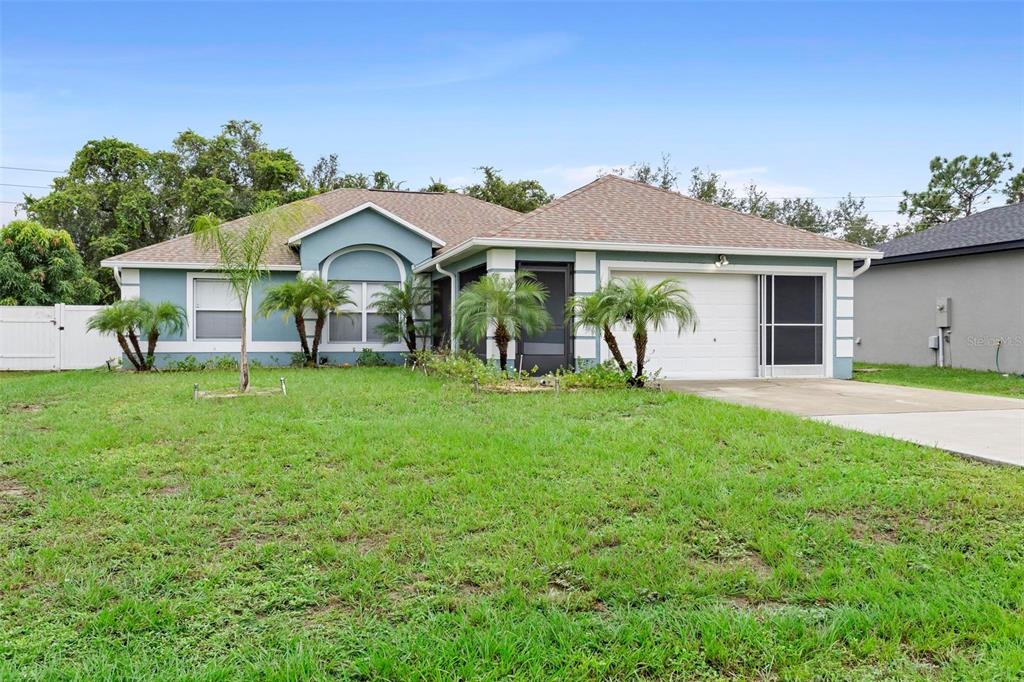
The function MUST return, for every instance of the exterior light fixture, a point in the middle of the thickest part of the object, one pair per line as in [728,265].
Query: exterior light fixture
[722,261]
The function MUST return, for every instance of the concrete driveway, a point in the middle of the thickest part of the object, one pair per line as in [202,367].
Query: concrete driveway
[979,426]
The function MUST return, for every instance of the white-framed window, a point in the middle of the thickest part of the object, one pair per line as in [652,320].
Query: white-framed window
[216,312]
[357,322]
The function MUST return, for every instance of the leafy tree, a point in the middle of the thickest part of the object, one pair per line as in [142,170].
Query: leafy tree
[230,174]
[956,189]
[663,176]
[39,266]
[710,187]
[437,185]
[848,220]
[116,197]
[128,320]
[241,251]
[647,308]
[595,311]
[1014,189]
[519,195]
[403,304]
[511,306]
[306,296]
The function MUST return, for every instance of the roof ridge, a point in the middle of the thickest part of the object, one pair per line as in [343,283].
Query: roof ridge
[558,201]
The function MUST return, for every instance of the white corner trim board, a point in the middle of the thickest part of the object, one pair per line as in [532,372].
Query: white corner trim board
[369,205]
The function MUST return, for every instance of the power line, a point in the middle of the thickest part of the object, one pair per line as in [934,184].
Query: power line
[33,170]
[12,184]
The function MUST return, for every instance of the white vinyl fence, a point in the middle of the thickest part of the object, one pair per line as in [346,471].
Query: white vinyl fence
[52,338]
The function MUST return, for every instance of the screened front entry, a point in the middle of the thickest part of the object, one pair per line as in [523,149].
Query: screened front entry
[791,326]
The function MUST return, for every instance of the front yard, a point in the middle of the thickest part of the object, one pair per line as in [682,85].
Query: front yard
[943,378]
[379,523]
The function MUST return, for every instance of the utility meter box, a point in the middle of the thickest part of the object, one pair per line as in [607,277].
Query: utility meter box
[933,341]
[942,311]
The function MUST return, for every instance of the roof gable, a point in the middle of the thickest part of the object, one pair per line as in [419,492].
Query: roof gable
[368,206]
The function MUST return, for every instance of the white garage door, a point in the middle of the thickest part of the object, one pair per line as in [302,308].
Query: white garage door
[725,343]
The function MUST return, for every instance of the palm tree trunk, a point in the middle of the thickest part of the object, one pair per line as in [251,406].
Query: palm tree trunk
[123,342]
[243,358]
[140,363]
[501,339]
[613,346]
[410,333]
[300,326]
[151,340]
[640,340]
[318,331]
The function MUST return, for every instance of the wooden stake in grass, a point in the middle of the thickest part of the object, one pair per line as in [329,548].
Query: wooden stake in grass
[195,391]
[284,389]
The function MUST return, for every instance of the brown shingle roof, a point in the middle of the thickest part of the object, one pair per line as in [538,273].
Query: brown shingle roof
[610,209]
[617,210]
[453,218]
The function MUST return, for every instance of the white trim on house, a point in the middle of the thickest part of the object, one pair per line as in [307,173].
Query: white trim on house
[826,273]
[493,242]
[171,265]
[358,209]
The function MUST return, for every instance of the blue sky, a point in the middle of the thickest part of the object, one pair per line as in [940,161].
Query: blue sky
[804,99]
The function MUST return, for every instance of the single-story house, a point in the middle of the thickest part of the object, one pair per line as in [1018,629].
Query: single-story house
[952,295]
[772,300]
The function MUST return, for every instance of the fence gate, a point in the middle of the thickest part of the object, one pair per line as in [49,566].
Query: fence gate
[51,338]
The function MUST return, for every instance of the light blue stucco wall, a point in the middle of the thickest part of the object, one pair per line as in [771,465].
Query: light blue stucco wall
[164,360]
[276,327]
[367,228]
[172,285]
[164,285]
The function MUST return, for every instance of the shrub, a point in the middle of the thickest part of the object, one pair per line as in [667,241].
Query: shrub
[371,358]
[187,364]
[461,365]
[605,375]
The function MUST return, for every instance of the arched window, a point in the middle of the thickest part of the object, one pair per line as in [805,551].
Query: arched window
[368,271]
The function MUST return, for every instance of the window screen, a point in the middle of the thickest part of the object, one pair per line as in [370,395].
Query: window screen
[217,311]
[346,327]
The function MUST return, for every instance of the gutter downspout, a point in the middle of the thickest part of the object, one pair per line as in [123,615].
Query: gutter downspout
[117,275]
[862,269]
[451,311]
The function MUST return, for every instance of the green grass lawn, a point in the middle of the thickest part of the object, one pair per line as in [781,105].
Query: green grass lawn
[947,378]
[382,524]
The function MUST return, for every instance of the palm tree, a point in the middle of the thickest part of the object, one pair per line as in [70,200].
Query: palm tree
[513,306]
[648,308]
[241,255]
[127,319]
[402,304]
[120,319]
[595,311]
[322,299]
[306,296]
[155,318]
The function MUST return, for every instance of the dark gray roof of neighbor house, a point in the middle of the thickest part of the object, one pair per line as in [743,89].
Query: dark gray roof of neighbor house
[992,230]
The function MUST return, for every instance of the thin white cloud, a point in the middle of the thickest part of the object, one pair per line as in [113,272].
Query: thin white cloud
[740,177]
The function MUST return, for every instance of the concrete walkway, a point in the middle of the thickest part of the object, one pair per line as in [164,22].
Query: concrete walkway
[979,426]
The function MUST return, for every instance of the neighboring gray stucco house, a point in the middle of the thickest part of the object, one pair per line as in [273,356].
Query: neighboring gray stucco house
[772,300]
[977,263]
